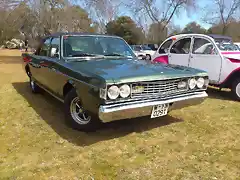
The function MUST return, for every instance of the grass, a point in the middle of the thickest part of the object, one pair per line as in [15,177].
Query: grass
[199,142]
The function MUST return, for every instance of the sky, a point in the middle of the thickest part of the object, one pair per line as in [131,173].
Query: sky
[184,17]
[181,19]
[196,15]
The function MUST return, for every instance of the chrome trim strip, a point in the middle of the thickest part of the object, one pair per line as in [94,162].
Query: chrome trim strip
[139,104]
[61,100]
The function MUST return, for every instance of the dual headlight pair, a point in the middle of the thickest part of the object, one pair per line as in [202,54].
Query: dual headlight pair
[123,91]
[199,83]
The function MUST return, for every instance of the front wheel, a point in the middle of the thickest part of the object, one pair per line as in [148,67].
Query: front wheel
[34,87]
[236,89]
[76,116]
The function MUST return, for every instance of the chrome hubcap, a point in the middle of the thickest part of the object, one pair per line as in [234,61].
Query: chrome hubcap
[238,90]
[32,84]
[78,113]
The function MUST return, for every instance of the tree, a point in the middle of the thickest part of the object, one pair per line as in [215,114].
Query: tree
[232,30]
[222,12]
[126,28]
[154,35]
[160,11]
[103,11]
[193,27]
[35,18]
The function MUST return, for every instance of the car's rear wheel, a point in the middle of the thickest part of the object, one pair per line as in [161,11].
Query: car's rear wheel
[77,117]
[34,87]
[236,89]
[148,57]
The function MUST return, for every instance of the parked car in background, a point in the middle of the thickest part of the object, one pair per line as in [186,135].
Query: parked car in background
[144,49]
[216,55]
[153,47]
[138,52]
[238,44]
[99,79]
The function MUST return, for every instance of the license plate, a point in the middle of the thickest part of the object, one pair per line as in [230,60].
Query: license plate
[159,110]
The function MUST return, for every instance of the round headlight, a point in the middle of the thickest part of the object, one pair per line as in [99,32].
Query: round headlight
[200,82]
[125,91]
[192,83]
[113,92]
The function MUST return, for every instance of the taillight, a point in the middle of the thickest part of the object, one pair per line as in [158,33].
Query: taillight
[27,59]
[234,60]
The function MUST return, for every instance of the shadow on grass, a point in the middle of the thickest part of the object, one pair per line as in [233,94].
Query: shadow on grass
[10,60]
[220,94]
[51,111]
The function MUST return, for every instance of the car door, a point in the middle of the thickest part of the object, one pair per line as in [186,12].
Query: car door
[52,77]
[39,63]
[205,56]
[180,52]
[161,55]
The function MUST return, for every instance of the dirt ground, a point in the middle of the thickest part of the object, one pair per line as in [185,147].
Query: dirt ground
[199,142]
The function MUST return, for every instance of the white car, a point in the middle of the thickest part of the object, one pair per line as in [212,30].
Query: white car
[238,44]
[219,58]
[138,52]
[145,50]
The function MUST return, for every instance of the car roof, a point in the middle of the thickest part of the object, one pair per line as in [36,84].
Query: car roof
[190,34]
[78,34]
[217,36]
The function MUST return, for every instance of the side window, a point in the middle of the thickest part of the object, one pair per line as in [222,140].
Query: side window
[181,47]
[164,48]
[45,49]
[203,46]
[55,45]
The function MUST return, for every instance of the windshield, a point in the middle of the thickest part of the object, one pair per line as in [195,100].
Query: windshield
[81,46]
[146,47]
[227,47]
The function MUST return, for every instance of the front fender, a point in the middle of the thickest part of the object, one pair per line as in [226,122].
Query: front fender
[89,96]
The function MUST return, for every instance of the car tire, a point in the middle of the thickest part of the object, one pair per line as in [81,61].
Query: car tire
[76,116]
[236,89]
[148,57]
[34,87]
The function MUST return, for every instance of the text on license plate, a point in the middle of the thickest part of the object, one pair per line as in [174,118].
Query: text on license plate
[159,110]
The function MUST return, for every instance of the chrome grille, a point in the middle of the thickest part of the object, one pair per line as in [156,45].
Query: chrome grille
[158,89]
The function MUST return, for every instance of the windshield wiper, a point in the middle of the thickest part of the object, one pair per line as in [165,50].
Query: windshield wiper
[116,54]
[85,55]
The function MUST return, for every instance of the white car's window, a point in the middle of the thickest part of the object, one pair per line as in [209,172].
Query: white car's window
[137,48]
[144,47]
[164,48]
[203,46]
[181,47]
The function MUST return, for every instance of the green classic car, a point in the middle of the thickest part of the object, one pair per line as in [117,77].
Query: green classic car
[99,79]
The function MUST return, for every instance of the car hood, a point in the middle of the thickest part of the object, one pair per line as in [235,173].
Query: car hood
[129,70]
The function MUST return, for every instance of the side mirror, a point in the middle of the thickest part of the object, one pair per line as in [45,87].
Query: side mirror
[54,53]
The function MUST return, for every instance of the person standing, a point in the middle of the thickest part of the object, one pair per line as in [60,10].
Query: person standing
[26,45]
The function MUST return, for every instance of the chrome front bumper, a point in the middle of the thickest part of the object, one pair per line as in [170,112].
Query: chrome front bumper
[127,110]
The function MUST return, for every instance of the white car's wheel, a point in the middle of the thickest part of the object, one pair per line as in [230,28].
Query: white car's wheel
[236,89]
[148,57]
